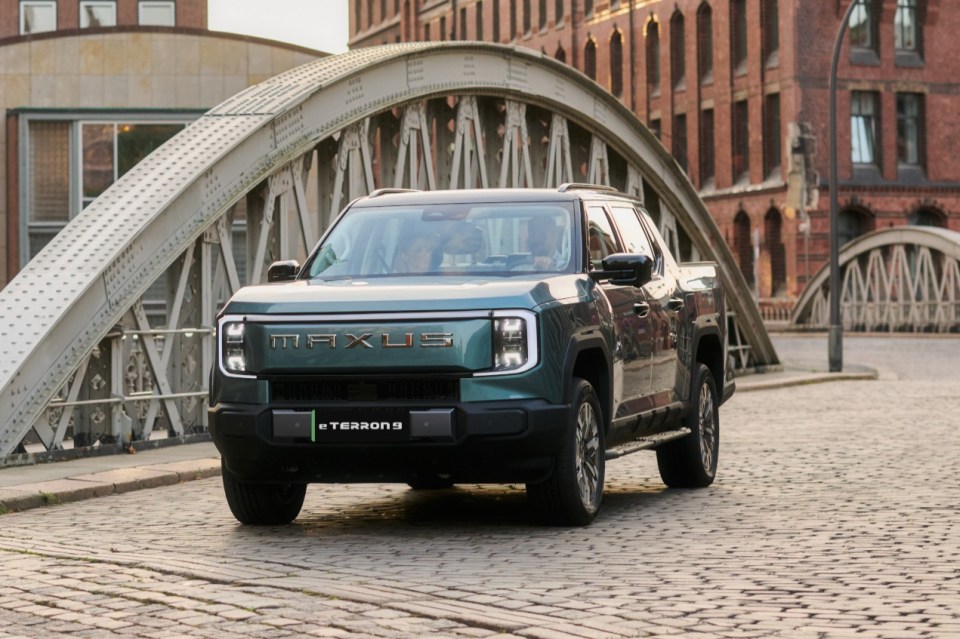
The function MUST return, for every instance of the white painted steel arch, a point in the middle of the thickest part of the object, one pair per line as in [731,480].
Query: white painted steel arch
[514,116]
[905,278]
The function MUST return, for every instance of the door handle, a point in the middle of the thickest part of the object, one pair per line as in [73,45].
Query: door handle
[675,304]
[641,308]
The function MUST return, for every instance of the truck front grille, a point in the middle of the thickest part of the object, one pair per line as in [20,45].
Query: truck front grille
[384,390]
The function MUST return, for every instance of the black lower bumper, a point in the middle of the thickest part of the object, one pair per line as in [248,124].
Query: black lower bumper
[510,441]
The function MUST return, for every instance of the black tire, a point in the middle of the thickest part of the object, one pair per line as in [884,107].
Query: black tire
[430,482]
[262,504]
[691,462]
[572,494]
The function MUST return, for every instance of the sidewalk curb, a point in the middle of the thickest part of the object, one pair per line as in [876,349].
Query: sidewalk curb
[804,380]
[105,483]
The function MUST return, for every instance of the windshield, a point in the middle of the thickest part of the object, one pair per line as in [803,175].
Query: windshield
[448,239]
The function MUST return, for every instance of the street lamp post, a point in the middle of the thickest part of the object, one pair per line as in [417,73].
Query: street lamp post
[835,339]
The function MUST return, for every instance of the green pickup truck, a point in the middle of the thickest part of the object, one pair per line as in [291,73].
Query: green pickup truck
[471,336]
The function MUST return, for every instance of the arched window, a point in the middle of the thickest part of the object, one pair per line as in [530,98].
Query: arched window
[616,63]
[652,32]
[773,232]
[678,67]
[705,43]
[926,216]
[590,59]
[853,223]
[561,54]
[742,246]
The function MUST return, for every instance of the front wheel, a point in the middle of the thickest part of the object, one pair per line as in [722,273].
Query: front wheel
[262,504]
[571,495]
[691,462]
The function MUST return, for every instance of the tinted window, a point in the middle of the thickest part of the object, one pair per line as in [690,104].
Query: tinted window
[601,240]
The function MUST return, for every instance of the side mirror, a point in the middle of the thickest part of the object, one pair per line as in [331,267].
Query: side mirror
[284,271]
[625,269]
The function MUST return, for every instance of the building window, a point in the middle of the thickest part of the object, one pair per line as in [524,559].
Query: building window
[426,32]
[356,13]
[771,32]
[542,18]
[479,17]
[109,149]
[655,128]
[560,55]
[590,59]
[705,43]
[37,16]
[157,13]
[863,128]
[707,148]
[653,57]
[463,23]
[527,21]
[927,217]
[905,27]
[771,134]
[738,36]
[910,129]
[98,14]
[383,10]
[369,13]
[853,223]
[680,140]
[678,67]
[587,7]
[443,28]
[496,20]
[396,7]
[863,25]
[742,245]
[558,10]
[741,141]
[616,64]
[513,19]
[773,225]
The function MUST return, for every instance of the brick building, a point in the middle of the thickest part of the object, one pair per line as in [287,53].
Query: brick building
[737,91]
[89,87]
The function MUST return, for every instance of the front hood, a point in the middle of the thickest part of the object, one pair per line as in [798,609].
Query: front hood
[407,294]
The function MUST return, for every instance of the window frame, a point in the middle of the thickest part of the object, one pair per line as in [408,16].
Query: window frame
[708,151]
[50,4]
[652,53]
[739,51]
[871,126]
[919,130]
[908,56]
[156,4]
[678,51]
[705,43]
[94,3]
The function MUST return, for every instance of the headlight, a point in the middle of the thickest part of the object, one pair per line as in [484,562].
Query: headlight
[509,343]
[234,348]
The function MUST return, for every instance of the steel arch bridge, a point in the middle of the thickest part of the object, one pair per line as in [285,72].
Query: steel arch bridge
[80,350]
[898,279]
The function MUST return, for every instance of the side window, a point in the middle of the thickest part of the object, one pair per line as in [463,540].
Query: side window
[635,239]
[601,241]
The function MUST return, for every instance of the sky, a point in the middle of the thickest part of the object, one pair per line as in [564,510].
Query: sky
[316,24]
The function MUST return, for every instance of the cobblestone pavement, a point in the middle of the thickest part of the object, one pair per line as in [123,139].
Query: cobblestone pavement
[835,514]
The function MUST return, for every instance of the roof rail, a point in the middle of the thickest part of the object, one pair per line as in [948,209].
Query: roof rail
[582,186]
[385,191]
